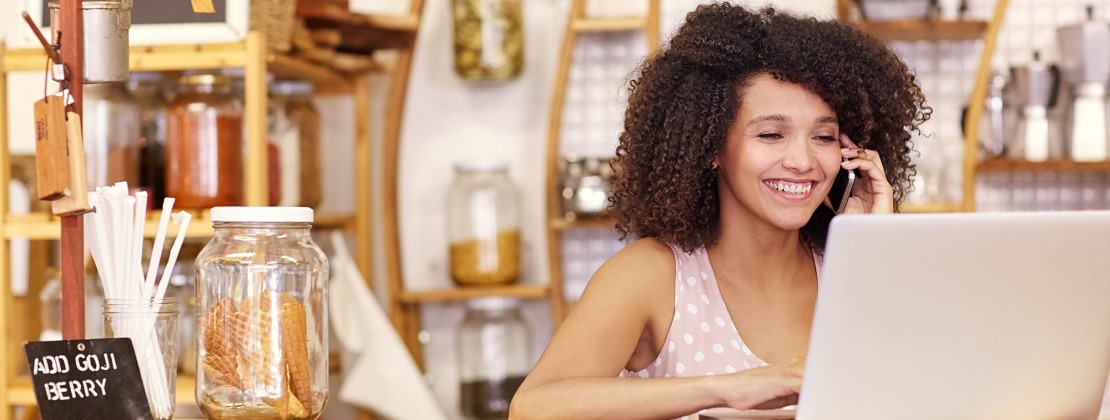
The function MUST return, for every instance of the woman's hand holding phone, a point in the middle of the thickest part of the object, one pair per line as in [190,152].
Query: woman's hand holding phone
[872,192]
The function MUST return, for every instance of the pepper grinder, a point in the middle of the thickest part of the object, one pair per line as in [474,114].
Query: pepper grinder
[1085,61]
[1035,85]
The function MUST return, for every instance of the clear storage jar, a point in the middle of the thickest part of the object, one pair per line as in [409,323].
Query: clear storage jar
[483,227]
[204,144]
[111,129]
[489,40]
[151,324]
[261,305]
[146,88]
[495,357]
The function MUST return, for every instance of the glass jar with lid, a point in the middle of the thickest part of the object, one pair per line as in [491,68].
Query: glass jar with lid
[111,130]
[494,357]
[483,226]
[300,109]
[261,316]
[204,144]
[489,41]
[146,88]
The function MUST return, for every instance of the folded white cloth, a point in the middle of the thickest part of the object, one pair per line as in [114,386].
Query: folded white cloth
[385,379]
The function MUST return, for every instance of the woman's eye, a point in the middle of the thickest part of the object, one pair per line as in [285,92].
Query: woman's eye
[770,136]
[826,139]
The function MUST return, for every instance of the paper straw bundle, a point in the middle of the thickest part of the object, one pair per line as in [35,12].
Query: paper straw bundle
[114,235]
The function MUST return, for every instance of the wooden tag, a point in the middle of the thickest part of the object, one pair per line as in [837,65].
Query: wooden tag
[77,201]
[203,6]
[51,156]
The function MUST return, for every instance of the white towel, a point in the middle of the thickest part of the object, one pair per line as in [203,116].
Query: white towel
[385,378]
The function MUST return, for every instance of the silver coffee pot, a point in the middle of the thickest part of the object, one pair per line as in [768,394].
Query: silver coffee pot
[1085,65]
[1035,86]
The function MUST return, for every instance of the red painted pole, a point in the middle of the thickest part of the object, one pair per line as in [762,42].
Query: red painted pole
[73,235]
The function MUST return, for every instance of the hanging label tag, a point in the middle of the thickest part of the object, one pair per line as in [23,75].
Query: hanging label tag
[203,6]
[58,72]
[51,154]
[77,201]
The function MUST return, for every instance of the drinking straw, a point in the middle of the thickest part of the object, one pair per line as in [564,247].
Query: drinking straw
[156,252]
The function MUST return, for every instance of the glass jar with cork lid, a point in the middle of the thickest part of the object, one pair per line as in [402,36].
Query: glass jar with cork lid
[483,226]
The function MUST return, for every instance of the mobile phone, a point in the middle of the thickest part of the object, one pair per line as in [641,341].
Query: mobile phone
[842,189]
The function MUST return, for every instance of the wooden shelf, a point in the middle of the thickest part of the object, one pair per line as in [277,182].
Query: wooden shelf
[608,24]
[43,226]
[523,291]
[1054,165]
[21,393]
[361,33]
[591,223]
[198,57]
[931,207]
[924,30]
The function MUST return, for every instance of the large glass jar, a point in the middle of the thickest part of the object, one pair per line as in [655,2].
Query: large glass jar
[146,87]
[495,357]
[111,135]
[204,144]
[489,41]
[261,305]
[483,227]
[300,110]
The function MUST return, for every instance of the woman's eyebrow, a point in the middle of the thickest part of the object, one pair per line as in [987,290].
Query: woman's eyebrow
[772,117]
[826,119]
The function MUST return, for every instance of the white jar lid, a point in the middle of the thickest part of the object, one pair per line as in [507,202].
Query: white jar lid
[260,214]
[473,166]
[495,303]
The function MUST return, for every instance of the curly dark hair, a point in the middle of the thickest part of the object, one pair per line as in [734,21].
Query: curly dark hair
[687,96]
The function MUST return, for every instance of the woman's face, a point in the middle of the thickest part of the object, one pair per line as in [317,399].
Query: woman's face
[781,156]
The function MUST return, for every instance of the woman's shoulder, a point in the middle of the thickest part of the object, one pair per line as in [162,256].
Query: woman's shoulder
[643,262]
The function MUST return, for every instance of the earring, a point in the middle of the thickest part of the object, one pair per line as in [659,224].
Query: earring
[714,165]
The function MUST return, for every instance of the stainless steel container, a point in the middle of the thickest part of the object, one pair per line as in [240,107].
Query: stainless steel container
[1085,64]
[107,24]
[1036,85]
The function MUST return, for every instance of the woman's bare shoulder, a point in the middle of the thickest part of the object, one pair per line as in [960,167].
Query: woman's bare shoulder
[643,263]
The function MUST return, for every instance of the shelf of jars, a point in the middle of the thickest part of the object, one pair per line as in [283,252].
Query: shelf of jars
[924,29]
[196,57]
[615,24]
[559,223]
[40,226]
[1051,165]
[520,291]
[931,207]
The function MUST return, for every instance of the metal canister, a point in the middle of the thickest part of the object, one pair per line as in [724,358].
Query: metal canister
[107,24]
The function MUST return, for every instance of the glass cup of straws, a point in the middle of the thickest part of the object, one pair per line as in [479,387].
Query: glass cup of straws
[151,324]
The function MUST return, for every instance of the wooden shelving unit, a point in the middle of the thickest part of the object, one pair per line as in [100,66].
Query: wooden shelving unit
[1054,165]
[925,30]
[960,30]
[396,31]
[454,294]
[577,25]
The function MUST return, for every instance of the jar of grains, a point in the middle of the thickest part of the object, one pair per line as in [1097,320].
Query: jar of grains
[483,224]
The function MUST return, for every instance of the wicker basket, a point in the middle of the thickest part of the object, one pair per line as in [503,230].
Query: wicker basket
[275,19]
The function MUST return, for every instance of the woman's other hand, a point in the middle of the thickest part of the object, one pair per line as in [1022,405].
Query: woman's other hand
[762,388]
[872,193]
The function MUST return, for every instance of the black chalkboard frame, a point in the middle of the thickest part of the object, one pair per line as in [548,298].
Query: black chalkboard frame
[163,22]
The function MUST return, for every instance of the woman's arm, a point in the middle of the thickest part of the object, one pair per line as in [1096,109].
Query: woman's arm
[632,296]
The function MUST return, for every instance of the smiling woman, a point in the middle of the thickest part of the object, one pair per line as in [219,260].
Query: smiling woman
[733,138]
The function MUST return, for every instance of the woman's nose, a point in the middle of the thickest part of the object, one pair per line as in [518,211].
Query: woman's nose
[799,156]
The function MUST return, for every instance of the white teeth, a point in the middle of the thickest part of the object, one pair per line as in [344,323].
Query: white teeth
[790,187]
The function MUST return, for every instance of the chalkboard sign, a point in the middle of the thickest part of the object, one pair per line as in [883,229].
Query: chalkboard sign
[161,22]
[87,379]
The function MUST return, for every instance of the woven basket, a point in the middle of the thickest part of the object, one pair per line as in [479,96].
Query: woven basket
[275,19]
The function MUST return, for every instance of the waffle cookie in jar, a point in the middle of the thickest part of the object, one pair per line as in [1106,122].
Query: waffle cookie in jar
[262,347]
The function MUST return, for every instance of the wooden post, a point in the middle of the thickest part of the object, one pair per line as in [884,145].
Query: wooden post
[257,168]
[364,174]
[73,235]
[9,349]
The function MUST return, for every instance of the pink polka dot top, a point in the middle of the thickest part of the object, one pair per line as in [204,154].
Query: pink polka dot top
[702,339]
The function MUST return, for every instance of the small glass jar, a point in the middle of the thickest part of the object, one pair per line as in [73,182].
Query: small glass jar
[495,357]
[261,305]
[204,144]
[483,227]
[151,324]
[489,41]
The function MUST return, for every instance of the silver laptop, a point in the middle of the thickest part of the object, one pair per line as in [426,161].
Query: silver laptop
[961,316]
